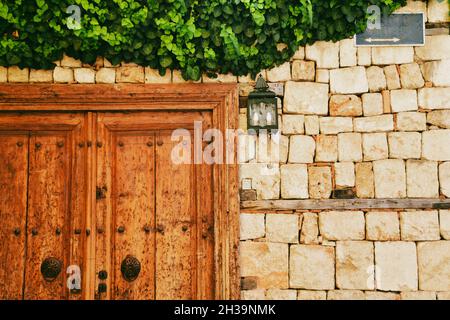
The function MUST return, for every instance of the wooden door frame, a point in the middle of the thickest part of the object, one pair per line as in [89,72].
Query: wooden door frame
[220,99]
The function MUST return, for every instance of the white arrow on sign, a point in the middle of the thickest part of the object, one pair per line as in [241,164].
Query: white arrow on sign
[382,40]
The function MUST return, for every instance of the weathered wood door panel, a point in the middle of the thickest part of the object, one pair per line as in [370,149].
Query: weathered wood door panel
[50,202]
[185,235]
[153,206]
[80,182]
[13,208]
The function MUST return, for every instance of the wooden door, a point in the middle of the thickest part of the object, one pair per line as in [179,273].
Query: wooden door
[42,204]
[154,218]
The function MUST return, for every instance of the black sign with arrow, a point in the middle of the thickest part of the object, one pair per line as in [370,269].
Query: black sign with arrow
[399,29]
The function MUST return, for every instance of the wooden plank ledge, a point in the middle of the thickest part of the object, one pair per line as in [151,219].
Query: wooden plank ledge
[345,204]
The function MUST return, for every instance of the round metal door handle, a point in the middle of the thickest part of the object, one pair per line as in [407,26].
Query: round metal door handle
[130,268]
[184,228]
[160,143]
[121,229]
[51,268]
[17,231]
[147,229]
[149,144]
[58,231]
[34,232]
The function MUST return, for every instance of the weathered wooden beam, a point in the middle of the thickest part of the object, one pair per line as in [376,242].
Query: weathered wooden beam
[345,204]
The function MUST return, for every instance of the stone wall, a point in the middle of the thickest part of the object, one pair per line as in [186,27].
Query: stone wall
[373,122]
[334,255]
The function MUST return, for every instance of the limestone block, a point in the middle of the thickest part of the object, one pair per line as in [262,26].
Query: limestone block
[434,265]
[335,125]
[280,73]
[439,118]
[350,147]
[418,295]
[365,185]
[70,62]
[326,148]
[392,77]
[377,295]
[392,55]
[443,295]
[153,76]
[293,124]
[349,80]
[310,228]
[311,295]
[414,7]
[276,294]
[268,262]
[419,225]
[438,11]
[444,221]
[345,105]
[382,226]
[325,54]
[312,267]
[303,70]
[396,266]
[342,225]
[320,184]
[435,145]
[372,104]
[63,75]
[322,76]
[437,72]
[282,228]
[434,98]
[403,100]
[301,149]
[436,48]
[258,294]
[346,295]
[375,146]
[344,174]
[105,75]
[444,178]
[130,75]
[422,179]
[380,123]
[299,54]
[41,76]
[84,75]
[3,74]
[265,179]
[390,178]
[354,261]
[252,226]
[306,98]
[16,74]
[376,79]
[347,53]
[411,76]
[412,121]
[312,125]
[404,145]
[364,56]
[294,181]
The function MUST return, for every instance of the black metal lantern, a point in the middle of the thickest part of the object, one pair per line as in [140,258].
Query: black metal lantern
[262,110]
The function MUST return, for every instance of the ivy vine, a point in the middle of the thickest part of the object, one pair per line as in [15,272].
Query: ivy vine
[195,36]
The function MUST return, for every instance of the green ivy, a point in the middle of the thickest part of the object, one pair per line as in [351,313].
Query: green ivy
[194,36]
